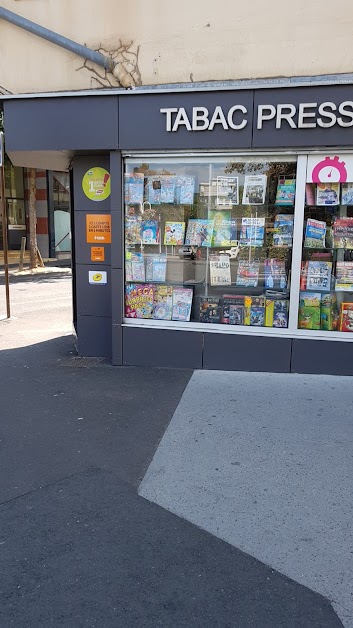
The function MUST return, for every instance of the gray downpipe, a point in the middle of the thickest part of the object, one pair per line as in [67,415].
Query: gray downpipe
[59,40]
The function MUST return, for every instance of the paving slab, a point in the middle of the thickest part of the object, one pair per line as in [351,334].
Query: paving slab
[264,462]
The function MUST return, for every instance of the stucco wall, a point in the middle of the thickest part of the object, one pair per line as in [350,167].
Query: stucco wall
[167,42]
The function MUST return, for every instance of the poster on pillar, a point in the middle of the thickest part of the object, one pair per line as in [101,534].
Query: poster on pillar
[96,184]
[326,168]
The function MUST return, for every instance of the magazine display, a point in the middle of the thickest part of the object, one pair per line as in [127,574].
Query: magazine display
[227,191]
[285,192]
[167,188]
[252,231]
[347,194]
[139,300]
[182,301]
[174,233]
[233,310]
[283,230]
[224,229]
[149,232]
[220,270]
[275,274]
[184,190]
[163,303]
[315,233]
[132,230]
[248,273]
[276,313]
[156,268]
[319,275]
[134,187]
[344,276]
[199,232]
[257,311]
[210,310]
[343,233]
[328,194]
[135,267]
[309,310]
[254,191]
[346,317]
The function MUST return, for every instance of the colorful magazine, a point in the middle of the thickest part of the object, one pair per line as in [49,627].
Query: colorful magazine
[309,310]
[283,230]
[319,275]
[329,312]
[344,276]
[220,270]
[285,191]
[184,190]
[248,273]
[149,232]
[233,310]
[343,233]
[156,267]
[210,310]
[252,231]
[167,188]
[328,194]
[182,301]
[199,232]
[154,187]
[346,317]
[163,303]
[132,230]
[275,274]
[254,191]
[139,301]
[224,229]
[276,313]
[134,184]
[137,267]
[315,233]
[347,194]
[257,311]
[227,191]
[174,233]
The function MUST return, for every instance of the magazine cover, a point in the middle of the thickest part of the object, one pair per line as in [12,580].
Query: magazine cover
[224,228]
[134,187]
[220,270]
[210,310]
[199,232]
[227,191]
[346,317]
[137,267]
[283,230]
[309,194]
[319,275]
[315,233]
[233,310]
[184,190]
[248,273]
[167,188]
[154,187]
[327,194]
[310,299]
[276,313]
[329,312]
[128,267]
[139,301]
[149,232]
[252,231]
[275,274]
[174,233]
[156,267]
[254,191]
[347,194]
[344,276]
[257,311]
[132,230]
[182,300]
[343,233]
[285,191]
[163,303]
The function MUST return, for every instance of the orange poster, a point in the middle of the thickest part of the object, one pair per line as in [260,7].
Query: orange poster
[97,253]
[98,228]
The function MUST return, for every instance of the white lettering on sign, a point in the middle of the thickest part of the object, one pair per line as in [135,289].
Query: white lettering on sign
[202,119]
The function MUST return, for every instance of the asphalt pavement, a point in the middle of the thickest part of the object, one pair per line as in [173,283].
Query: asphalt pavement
[79,546]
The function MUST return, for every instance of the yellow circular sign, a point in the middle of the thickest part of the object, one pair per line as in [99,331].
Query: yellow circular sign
[96,184]
[97,277]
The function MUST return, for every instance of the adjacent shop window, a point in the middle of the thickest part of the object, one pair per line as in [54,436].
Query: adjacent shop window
[326,287]
[209,241]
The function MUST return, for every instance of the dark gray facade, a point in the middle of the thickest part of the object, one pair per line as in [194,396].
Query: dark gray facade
[95,129]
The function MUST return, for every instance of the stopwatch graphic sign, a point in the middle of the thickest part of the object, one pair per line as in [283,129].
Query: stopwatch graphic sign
[329,170]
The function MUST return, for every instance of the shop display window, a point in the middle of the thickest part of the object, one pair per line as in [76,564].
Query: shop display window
[326,284]
[209,240]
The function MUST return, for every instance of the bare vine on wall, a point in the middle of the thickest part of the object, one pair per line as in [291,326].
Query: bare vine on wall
[125,73]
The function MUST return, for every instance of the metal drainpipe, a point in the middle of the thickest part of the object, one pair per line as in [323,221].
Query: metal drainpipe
[59,40]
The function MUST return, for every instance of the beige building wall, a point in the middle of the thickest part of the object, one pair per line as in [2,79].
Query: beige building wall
[155,41]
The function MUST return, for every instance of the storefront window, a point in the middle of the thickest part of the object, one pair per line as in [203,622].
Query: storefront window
[326,286]
[209,241]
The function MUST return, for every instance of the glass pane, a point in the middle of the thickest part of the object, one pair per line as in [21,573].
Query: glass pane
[16,212]
[13,181]
[209,240]
[326,296]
